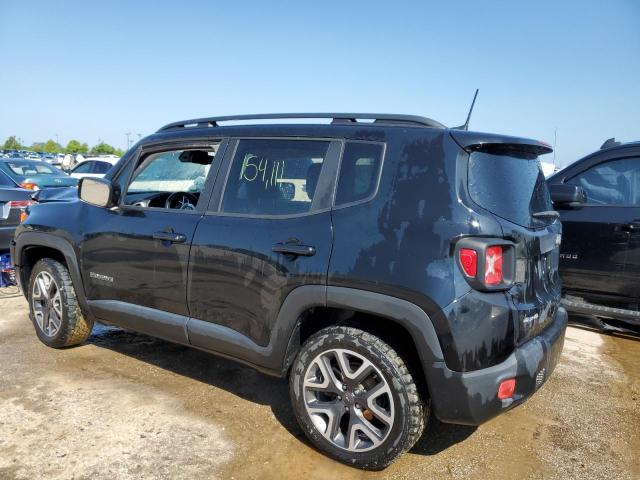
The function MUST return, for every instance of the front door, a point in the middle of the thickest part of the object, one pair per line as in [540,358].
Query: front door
[600,249]
[267,232]
[135,257]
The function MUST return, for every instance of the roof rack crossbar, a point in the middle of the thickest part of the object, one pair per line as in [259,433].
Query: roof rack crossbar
[338,118]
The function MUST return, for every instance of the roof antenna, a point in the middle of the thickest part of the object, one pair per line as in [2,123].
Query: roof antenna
[466,124]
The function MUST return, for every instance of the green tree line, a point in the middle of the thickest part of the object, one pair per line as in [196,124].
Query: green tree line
[73,146]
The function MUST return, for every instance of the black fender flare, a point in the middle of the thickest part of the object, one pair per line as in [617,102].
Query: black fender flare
[41,239]
[408,315]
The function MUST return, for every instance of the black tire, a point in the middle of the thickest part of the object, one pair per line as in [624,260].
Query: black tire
[74,326]
[411,413]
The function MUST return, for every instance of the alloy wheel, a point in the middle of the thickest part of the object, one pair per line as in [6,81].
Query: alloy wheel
[46,302]
[348,400]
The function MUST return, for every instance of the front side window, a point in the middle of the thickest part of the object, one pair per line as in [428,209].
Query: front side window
[612,183]
[170,179]
[359,171]
[274,177]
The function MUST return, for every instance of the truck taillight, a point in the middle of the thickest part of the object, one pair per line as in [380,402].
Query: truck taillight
[493,265]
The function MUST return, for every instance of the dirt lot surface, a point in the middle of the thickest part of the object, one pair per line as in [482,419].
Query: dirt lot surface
[128,406]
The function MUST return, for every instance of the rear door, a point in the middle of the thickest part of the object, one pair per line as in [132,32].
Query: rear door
[267,231]
[601,243]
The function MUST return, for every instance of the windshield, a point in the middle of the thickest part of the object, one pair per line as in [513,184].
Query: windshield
[511,186]
[32,169]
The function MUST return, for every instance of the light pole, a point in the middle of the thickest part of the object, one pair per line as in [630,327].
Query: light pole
[128,134]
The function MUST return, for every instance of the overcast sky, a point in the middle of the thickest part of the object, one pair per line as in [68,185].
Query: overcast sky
[95,70]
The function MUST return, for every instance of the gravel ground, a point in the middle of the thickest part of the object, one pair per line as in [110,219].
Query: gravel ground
[125,406]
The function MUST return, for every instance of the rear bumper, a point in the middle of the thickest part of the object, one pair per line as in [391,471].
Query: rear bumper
[471,397]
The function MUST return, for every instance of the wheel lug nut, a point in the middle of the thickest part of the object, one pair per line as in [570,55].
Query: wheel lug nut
[339,397]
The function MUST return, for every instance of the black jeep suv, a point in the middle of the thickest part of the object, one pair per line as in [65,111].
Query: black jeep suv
[388,267]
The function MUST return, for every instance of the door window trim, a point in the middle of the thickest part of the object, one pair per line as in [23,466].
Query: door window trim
[165,146]
[325,188]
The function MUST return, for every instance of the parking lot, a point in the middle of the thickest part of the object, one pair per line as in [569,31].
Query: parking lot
[129,406]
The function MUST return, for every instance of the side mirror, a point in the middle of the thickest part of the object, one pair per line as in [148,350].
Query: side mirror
[563,194]
[97,191]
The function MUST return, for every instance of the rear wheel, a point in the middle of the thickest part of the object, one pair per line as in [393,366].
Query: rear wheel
[355,398]
[53,306]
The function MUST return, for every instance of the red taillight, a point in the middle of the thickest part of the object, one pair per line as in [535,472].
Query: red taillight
[469,261]
[19,204]
[493,265]
[506,389]
[29,186]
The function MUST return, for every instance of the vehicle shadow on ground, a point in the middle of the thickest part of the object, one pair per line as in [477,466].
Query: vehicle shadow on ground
[244,382]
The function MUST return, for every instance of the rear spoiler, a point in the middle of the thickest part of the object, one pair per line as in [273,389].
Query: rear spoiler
[476,141]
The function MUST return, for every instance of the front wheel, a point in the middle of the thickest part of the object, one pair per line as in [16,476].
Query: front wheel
[355,398]
[53,306]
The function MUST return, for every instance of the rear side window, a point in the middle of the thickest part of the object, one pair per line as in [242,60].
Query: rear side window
[359,171]
[274,177]
[84,167]
[612,183]
[101,167]
[511,186]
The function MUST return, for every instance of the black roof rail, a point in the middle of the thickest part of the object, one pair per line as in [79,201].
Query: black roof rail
[337,118]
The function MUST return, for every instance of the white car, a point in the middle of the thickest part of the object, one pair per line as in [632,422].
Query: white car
[94,166]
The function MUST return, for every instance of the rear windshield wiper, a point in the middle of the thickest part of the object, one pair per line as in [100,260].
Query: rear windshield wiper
[547,213]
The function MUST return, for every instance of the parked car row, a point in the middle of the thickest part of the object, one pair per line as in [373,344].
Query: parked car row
[21,177]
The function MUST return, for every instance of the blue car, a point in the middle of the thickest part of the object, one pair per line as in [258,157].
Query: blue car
[35,174]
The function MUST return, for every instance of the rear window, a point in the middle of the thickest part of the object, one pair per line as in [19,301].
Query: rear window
[29,169]
[511,186]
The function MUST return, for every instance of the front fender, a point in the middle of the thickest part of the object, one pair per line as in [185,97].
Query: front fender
[26,239]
